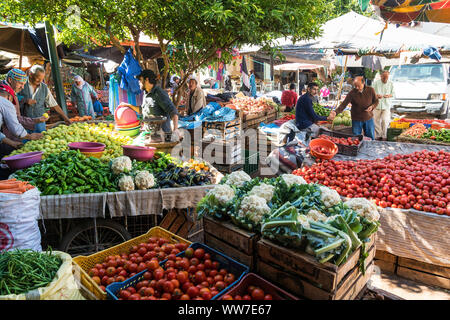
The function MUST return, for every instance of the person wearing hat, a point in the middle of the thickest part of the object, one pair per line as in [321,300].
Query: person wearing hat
[81,97]
[37,96]
[197,98]
[8,117]
[16,79]
[156,101]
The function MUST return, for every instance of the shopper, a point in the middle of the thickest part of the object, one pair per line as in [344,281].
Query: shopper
[252,84]
[289,98]
[81,97]
[37,96]
[382,113]
[197,99]
[305,116]
[364,100]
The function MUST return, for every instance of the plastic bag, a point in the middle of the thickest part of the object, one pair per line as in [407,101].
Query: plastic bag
[129,69]
[63,286]
[18,220]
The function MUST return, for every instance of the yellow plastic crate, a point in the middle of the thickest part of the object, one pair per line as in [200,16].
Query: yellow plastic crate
[88,262]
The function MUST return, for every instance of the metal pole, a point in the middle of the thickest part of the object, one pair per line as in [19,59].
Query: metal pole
[22,40]
[59,88]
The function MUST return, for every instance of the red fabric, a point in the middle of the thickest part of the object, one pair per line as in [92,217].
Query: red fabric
[289,98]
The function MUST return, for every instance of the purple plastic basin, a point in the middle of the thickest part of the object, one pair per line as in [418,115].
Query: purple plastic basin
[139,153]
[24,160]
[87,146]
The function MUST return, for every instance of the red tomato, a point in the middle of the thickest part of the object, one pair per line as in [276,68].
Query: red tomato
[257,294]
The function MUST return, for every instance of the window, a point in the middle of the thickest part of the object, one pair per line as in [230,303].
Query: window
[420,73]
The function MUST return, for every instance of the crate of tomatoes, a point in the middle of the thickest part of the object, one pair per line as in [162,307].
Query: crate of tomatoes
[198,273]
[348,144]
[253,287]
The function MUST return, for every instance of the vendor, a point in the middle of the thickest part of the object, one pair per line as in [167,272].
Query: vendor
[305,116]
[364,100]
[36,96]
[196,99]
[8,117]
[81,97]
[157,101]
[289,98]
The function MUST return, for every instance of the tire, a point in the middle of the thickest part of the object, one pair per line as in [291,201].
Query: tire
[81,239]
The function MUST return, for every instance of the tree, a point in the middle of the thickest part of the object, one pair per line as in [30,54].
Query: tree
[340,7]
[191,33]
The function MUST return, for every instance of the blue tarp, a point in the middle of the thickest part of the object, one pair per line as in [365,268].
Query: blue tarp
[212,112]
[269,128]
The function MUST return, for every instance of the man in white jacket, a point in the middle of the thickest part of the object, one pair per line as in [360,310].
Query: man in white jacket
[384,90]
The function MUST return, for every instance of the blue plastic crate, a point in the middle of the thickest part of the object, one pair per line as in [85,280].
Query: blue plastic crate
[238,269]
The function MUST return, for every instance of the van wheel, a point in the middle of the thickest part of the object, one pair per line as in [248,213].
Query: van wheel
[443,116]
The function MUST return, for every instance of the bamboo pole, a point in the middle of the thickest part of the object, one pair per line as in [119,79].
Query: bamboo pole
[22,40]
[338,98]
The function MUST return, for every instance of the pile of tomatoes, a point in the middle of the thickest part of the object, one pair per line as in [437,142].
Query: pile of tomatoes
[321,150]
[419,180]
[192,277]
[345,141]
[251,293]
[118,268]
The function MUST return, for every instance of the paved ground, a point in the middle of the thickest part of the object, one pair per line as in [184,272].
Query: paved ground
[407,289]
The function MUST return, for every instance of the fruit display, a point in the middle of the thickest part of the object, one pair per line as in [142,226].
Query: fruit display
[251,293]
[194,275]
[251,105]
[146,255]
[80,119]
[418,180]
[438,135]
[344,119]
[321,110]
[322,150]
[69,172]
[55,140]
[344,141]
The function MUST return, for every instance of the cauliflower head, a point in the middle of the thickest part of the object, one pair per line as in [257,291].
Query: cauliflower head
[238,178]
[253,208]
[223,193]
[316,215]
[364,208]
[329,196]
[144,180]
[291,179]
[121,164]
[304,220]
[126,183]
[264,190]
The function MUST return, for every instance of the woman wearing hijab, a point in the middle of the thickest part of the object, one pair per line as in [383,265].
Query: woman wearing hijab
[81,97]
[252,84]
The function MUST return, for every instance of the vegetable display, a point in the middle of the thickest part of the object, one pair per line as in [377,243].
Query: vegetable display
[438,135]
[250,105]
[146,255]
[344,118]
[345,141]
[416,131]
[69,172]
[14,186]
[194,276]
[22,271]
[321,110]
[55,140]
[294,214]
[418,180]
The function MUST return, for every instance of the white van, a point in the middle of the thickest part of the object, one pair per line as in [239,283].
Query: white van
[421,88]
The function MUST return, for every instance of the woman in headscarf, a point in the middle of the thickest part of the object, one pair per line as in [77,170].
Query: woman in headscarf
[81,97]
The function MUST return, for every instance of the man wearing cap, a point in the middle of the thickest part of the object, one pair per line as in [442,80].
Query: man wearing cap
[156,101]
[16,79]
[36,96]
[197,98]
[8,117]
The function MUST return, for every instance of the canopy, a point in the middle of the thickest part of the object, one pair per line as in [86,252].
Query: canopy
[34,41]
[296,66]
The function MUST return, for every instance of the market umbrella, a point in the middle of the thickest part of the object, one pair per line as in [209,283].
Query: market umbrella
[244,74]
[405,11]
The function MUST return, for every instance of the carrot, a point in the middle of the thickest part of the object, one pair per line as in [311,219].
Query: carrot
[11,191]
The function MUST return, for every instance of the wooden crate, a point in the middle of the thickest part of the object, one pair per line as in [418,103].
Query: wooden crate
[231,240]
[253,123]
[177,222]
[303,275]
[424,272]
[386,261]
[222,152]
[228,168]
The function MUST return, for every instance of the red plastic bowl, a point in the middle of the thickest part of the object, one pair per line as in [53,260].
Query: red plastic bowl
[323,143]
[24,160]
[87,146]
[139,153]
[125,115]
[252,279]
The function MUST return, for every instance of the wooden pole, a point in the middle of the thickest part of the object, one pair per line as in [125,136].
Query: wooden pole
[22,40]
[340,84]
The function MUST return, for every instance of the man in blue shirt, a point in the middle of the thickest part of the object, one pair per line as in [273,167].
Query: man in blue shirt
[305,116]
